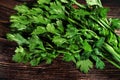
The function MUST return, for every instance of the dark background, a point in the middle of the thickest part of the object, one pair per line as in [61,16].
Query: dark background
[58,70]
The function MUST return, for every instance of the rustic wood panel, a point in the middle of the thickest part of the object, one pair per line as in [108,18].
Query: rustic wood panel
[6,9]
[58,70]
[3,30]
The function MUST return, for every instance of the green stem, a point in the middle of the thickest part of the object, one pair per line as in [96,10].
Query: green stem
[78,4]
[112,51]
[113,63]
[106,26]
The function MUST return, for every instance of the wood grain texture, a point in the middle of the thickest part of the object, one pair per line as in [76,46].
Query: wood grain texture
[58,70]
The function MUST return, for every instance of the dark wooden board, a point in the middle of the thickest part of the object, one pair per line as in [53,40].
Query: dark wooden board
[58,70]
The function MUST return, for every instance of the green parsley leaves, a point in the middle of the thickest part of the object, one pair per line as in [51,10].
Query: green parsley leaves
[51,28]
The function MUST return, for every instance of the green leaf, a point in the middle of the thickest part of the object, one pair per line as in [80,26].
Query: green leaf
[77,56]
[94,2]
[20,54]
[97,51]
[43,1]
[53,54]
[35,61]
[20,49]
[103,12]
[73,47]
[36,11]
[54,16]
[43,54]
[58,40]
[100,42]
[18,19]
[39,30]
[22,8]
[57,10]
[18,26]
[39,19]
[84,65]
[112,39]
[69,57]
[64,1]
[86,46]
[36,43]
[17,57]
[60,25]
[115,23]
[19,22]
[80,13]
[18,38]
[50,28]
[48,61]
[104,32]
[99,63]
[71,31]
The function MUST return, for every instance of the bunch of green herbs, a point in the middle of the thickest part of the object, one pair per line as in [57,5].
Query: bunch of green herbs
[50,28]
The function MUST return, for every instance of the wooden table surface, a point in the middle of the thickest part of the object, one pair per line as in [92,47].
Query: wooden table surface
[58,70]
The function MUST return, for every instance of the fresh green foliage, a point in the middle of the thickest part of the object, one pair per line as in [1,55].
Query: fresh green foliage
[94,2]
[84,65]
[50,28]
